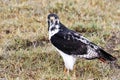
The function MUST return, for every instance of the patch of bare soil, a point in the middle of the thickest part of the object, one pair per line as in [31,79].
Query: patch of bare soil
[113,44]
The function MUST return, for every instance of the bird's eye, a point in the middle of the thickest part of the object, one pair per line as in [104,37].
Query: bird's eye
[57,21]
[55,17]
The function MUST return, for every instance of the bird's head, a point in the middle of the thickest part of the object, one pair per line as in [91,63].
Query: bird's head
[53,20]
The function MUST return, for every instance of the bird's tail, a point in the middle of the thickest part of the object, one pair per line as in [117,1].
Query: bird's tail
[104,56]
[107,58]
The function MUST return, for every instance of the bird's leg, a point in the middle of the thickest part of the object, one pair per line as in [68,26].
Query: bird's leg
[74,73]
[66,72]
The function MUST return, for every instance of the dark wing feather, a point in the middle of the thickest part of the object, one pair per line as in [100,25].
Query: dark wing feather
[66,41]
[72,43]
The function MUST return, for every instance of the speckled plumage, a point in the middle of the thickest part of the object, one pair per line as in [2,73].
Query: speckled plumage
[72,45]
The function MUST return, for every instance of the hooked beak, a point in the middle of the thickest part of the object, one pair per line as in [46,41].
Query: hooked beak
[52,21]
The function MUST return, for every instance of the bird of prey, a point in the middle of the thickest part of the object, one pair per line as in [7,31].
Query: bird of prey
[72,45]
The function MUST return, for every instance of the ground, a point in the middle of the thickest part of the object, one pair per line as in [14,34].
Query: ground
[27,54]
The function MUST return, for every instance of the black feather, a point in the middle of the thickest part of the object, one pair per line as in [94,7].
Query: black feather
[106,56]
[66,42]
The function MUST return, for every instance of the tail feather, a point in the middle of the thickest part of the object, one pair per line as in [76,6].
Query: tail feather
[102,59]
[104,56]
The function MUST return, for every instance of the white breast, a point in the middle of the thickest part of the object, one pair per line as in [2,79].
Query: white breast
[69,60]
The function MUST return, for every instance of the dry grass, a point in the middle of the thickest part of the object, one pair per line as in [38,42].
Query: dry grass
[25,51]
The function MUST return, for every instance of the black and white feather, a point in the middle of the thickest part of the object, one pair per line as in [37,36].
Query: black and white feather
[72,45]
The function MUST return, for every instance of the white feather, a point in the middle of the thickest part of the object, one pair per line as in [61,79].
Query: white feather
[69,60]
[90,54]
[53,32]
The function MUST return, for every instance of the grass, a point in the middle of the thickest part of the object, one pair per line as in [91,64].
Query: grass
[26,53]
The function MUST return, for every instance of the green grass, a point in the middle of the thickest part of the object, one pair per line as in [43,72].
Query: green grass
[27,54]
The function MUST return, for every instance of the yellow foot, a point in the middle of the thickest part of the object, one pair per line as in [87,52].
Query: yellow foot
[74,73]
[66,72]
